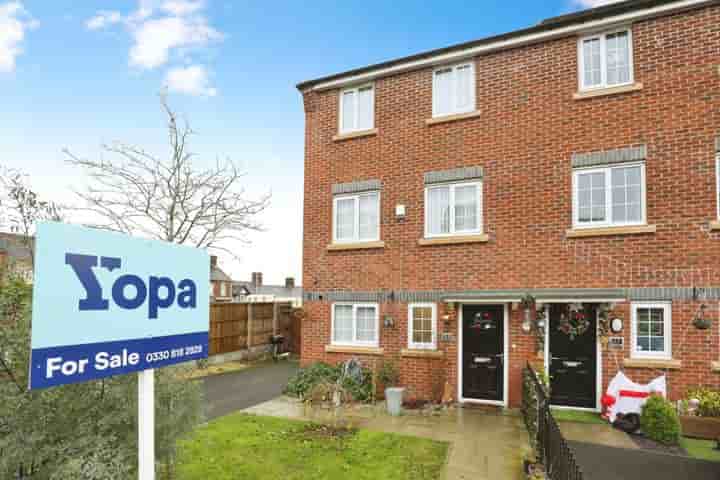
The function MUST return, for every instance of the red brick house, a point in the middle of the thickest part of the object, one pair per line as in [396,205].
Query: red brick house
[545,195]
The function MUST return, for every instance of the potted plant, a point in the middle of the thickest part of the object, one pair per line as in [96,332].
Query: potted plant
[700,415]
[390,379]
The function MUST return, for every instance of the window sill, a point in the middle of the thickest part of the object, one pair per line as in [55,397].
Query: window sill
[715,225]
[355,246]
[351,349]
[652,363]
[419,353]
[452,118]
[483,238]
[347,136]
[602,92]
[606,231]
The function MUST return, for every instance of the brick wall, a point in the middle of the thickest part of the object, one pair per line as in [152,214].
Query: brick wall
[529,127]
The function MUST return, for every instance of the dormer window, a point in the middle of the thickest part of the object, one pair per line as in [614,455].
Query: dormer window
[357,109]
[605,60]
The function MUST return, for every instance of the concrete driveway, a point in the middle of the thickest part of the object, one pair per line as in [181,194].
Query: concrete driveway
[230,392]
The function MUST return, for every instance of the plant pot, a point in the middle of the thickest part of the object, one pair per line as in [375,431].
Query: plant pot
[394,399]
[707,428]
[702,323]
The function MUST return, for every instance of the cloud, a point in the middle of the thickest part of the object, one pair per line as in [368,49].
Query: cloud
[103,20]
[157,37]
[190,80]
[593,3]
[14,22]
[162,31]
[182,7]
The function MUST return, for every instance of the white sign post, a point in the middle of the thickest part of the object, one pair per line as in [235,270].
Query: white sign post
[146,425]
[106,304]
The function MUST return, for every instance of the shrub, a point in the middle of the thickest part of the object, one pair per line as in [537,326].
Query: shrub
[659,421]
[709,401]
[306,379]
[388,375]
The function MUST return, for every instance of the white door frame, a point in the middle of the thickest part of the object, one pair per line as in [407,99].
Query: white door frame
[598,363]
[506,353]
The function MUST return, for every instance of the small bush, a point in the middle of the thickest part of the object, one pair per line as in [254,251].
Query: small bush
[709,401]
[303,383]
[659,421]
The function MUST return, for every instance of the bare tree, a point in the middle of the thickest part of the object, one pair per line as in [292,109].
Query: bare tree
[21,207]
[169,199]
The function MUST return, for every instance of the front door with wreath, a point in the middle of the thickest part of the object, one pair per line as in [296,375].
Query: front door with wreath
[572,337]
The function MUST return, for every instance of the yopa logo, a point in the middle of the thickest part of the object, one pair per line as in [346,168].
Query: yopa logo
[159,292]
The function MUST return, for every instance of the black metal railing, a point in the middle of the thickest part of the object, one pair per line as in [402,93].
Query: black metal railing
[545,436]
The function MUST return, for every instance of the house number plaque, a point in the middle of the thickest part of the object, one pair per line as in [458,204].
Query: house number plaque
[616,343]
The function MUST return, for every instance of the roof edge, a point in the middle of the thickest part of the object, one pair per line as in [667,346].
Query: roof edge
[564,25]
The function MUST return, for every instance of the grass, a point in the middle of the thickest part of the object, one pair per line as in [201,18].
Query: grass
[578,417]
[701,449]
[251,447]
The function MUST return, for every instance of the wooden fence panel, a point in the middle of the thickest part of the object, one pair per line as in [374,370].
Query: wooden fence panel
[262,326]
[228,327]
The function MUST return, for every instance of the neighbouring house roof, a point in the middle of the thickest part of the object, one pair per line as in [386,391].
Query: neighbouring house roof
[217,275]
[16,246]
[247,288]
[547,29]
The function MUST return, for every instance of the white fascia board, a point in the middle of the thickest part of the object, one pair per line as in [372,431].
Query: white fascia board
[513,43]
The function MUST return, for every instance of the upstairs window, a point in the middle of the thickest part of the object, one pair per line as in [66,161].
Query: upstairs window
[357,109]
[609,196]
[605,60]
[356,218]
[651,330]
[454,90]
[454,209]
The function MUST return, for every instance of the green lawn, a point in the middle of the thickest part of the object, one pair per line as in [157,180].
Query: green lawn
[701,449]
[578,416]
[248,447]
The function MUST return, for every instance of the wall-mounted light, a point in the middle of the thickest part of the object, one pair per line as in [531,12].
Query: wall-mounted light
[400,211]
[388,321]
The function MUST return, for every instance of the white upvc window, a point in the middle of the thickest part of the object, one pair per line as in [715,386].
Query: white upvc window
[355,324]
[356,218]
[453,209]
[454,89]
[652,330]
[223,289]
[357,109]
[422,326]
[609,196]
[605,60]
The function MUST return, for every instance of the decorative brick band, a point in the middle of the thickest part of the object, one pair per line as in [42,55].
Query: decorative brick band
[607,157]
[454,175]
[354,187]
[515,295]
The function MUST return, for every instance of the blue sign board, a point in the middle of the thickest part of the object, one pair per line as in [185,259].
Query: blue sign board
[106,304]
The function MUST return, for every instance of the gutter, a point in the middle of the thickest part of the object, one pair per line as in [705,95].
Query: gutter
[512,42]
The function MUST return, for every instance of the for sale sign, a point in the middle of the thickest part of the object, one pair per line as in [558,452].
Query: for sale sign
[107,304]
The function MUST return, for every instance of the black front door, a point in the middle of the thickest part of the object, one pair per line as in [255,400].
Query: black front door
[573,358]
[482,352]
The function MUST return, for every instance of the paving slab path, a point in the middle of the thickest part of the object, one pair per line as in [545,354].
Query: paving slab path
[483,445]
[230,392]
